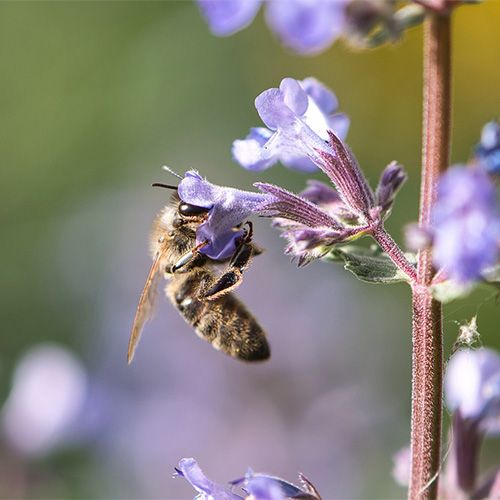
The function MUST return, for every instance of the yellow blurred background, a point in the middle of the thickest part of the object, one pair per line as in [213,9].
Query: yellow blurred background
[95,98]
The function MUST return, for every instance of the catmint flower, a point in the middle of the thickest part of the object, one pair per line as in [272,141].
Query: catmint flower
[228,208]
[298,115]
[466,222]
[207,489]
[487,152]
[304,26]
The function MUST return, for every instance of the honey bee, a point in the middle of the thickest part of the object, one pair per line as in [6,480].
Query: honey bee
[202,296]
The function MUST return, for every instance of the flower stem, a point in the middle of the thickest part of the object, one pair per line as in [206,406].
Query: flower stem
[384,239]
[427,367]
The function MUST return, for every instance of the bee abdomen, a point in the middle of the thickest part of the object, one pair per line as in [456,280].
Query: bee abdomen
[224,322]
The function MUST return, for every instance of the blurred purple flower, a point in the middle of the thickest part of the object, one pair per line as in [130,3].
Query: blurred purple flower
[305,26]
[487,152]
[228,208]
[298,115]
[472,389]
[466,221]
[226,17]
[207,489]
[47,397]
[472,386]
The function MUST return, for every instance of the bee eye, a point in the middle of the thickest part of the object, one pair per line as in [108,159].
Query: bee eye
[187,209]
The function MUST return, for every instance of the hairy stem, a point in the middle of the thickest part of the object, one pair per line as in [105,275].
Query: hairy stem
[384,239]
[427,367]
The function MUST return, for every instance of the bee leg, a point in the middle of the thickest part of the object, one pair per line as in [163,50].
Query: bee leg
[187,258]
[234,274]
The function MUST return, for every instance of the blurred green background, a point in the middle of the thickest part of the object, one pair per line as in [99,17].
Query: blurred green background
[95,97]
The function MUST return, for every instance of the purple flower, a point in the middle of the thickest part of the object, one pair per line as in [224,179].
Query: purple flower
[298,115]
[305,26]
[466,222]
[255,486]
[226,17]
[265,487]
[487,152]
[228,208]
[207,489]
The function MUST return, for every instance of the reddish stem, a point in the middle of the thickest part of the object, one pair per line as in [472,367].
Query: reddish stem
[427,313]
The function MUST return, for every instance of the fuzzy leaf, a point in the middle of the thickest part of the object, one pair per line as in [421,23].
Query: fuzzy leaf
[368,264]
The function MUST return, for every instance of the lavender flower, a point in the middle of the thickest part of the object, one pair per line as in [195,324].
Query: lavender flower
[228,208]
[466,222]
[298,115]
[305,26]
[208,490]
[487,152]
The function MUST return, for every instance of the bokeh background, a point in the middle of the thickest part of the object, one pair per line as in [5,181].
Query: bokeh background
[95,97]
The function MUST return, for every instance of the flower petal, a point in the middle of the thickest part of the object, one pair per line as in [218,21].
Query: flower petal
[208,490]
[247,152]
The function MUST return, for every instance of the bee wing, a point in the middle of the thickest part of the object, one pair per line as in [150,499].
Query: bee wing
[146,307]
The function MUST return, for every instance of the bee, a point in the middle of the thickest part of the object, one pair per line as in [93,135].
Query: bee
[202,296]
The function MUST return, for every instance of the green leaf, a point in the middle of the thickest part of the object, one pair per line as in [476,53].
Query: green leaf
[370,265]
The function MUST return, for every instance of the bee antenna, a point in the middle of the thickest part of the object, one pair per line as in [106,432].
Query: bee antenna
[167,186]
[170,171]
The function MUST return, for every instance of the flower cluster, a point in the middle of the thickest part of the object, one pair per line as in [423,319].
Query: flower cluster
[254,486]
[299,117]
[308,27]
[466,224]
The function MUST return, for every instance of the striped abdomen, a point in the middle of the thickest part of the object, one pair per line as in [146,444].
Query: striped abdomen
[224,322]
